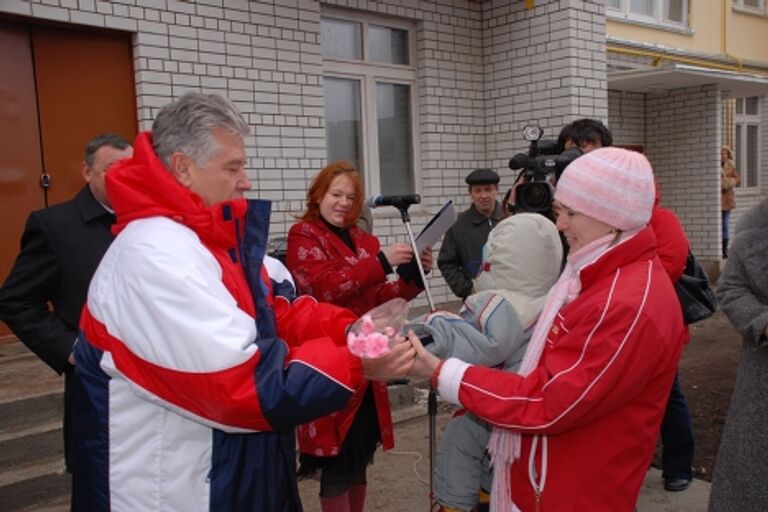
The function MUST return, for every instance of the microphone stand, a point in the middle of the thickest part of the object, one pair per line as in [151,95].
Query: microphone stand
[432,396]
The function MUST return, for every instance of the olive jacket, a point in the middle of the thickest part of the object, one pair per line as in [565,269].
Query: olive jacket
[461,254]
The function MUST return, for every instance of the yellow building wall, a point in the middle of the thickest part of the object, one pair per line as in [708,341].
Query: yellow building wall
[748,37]
[746,34]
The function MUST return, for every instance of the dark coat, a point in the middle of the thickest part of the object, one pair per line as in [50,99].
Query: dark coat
[741,472]
[461,254]
[60,249]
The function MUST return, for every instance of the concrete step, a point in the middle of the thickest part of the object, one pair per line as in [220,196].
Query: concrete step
[18,415]
[32,475]
[35,486]
[31,444]
[23,375]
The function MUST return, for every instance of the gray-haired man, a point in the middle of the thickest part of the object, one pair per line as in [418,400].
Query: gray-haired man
[191,372]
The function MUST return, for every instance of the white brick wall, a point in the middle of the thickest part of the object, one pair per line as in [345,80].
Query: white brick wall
[544,66]
[626,117]
[682,143]
[691,120]
[485,69]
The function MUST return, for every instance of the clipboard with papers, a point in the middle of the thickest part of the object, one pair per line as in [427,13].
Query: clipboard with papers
[429,235]
[437,226]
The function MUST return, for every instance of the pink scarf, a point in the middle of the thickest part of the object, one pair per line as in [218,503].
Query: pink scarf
[504,445]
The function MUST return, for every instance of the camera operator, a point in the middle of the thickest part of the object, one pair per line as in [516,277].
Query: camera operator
[585,134]
[672,248]
[461,253]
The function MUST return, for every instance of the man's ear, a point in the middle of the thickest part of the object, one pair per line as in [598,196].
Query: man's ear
[85,169]
[180,168]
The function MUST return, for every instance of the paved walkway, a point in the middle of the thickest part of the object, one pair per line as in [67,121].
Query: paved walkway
[653,497]
[411,438]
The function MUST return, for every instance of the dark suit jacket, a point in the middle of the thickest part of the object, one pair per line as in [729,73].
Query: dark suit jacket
[60,250]
[42,297]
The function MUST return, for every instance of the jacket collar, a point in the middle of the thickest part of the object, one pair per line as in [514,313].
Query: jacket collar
[87,205]
[755,218]
[640,247]
[336,240]
[478,218]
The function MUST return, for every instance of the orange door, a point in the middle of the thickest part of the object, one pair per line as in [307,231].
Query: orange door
[85,86]
[20,157]
[58,89]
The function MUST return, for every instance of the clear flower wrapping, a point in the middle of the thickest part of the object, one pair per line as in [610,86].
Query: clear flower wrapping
[373,334]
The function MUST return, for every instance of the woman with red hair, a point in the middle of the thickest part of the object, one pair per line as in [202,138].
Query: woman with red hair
[335,261]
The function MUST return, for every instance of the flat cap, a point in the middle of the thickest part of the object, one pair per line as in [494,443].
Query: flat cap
[482,177]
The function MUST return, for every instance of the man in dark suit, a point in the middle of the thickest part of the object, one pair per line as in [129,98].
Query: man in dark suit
[60,249]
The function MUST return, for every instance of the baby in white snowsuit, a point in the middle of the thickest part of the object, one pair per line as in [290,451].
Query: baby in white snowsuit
[522,260]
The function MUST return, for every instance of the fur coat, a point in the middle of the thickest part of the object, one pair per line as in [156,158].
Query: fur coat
[740,476]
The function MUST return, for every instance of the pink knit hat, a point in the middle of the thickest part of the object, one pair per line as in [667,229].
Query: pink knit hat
[612,185]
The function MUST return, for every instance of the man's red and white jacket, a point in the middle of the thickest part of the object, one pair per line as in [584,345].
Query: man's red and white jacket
[191,374]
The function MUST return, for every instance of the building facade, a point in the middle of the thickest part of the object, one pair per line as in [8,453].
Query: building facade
[684,79]
[419,93]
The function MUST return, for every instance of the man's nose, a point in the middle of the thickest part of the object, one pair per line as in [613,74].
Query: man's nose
[244,183]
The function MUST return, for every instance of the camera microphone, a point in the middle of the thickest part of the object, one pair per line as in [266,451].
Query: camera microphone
[399,201]
[519,161]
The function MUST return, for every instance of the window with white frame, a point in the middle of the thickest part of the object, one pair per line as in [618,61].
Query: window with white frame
[746,140]
[369,86]
[672,13]
[757,6]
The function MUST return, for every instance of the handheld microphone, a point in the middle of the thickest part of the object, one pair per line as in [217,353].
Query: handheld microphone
[400,201]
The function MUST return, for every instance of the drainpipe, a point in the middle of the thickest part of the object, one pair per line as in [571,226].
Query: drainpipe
[724,35]
[659,57]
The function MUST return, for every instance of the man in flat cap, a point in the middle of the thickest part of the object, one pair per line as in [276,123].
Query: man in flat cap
[462,251]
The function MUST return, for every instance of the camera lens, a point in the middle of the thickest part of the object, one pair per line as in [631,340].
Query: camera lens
[534,197]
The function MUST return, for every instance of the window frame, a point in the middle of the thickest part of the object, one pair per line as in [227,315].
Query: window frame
[739,5]
[744,121]
[368,73]
[623,13]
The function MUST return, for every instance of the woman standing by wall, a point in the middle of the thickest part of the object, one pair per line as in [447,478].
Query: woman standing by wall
[335,261]
[729,178]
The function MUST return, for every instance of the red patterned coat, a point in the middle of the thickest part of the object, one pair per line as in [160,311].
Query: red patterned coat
[326,268]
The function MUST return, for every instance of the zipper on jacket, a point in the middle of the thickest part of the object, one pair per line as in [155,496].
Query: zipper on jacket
[538,481]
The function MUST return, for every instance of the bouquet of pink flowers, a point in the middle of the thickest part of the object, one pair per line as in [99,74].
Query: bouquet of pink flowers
[373,333]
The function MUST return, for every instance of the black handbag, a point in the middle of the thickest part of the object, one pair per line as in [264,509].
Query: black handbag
[696,297]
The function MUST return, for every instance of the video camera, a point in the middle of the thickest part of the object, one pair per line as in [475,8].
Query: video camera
[539,171]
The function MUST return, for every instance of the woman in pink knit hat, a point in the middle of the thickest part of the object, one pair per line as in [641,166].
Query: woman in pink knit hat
[576,427]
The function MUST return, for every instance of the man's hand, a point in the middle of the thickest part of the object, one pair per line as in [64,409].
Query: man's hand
[395,364]
[71,359]
[425,363]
